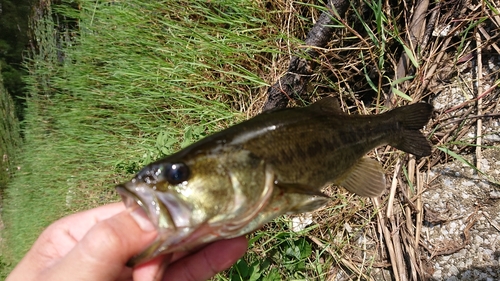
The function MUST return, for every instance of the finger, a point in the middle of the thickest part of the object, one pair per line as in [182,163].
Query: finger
[153,269]
[61,236]
[207,262]
[77,225]
[104,250]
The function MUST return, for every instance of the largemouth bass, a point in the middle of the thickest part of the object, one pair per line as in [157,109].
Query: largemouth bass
[232,182]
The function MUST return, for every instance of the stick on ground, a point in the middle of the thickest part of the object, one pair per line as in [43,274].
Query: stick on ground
[294,82]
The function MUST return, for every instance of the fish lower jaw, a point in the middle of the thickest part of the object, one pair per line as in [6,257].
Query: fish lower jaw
[168,242]
[145,206]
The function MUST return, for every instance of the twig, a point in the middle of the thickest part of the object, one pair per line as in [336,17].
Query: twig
[411,249]
[374,264]
[430,27]
[475,99]
[471,220]
[420,214]
[387,238]
[495,17]
[394,222]
[415,33]
[489,115]
[392,194]
[411,180]
[420,207]
[435,64]
[488,37]
[492,222]
[479,100]
[398,250]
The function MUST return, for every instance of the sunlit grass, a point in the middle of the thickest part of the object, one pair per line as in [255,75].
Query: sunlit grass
[131,81]
[10,143]
[125,84]
[10,139]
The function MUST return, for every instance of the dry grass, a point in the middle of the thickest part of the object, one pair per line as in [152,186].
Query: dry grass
[365,65]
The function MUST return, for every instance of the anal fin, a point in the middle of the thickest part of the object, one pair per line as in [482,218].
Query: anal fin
[366,178]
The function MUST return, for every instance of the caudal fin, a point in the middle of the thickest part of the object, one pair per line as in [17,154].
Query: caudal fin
[411,119]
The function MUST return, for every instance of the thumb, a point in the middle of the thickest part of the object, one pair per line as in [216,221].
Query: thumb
[104,250]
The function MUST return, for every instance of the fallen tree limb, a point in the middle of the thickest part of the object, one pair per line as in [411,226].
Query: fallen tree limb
[294,82]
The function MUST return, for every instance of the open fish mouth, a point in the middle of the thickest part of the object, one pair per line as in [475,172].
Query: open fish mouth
[166,211]
[169,215]
[144,202]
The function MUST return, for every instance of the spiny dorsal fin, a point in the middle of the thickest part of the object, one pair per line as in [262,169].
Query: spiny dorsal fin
[328,104]
[365,178]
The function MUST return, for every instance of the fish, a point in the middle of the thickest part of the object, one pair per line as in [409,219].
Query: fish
[233,182]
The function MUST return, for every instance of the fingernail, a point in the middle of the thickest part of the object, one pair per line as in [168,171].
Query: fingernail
[142,219]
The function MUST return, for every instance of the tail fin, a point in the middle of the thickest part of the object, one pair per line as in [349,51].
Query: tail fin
[410,120]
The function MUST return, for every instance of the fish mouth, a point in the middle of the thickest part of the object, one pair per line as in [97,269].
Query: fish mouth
[138,210]
[167,211]
[146,202]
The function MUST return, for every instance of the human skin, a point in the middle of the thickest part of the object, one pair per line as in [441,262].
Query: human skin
[96,244]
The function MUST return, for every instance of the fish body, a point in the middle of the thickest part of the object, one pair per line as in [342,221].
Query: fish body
[234,181]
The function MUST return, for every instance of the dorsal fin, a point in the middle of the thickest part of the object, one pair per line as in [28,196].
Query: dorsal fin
[328,105]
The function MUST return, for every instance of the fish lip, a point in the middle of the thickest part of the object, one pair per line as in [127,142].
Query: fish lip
[136,195]
[129,199]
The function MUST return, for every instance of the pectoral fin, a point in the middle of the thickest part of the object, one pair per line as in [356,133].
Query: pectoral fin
[366,178]
[299,188]
[301,198]
[307,204]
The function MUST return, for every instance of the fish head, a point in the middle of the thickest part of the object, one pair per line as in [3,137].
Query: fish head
[198,198]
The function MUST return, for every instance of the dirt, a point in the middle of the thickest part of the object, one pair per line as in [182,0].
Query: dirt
[462,206]
[462,221]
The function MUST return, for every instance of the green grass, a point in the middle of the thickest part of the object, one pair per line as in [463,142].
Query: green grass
[10,142]
[133,81]
[121,83]
[10,139]
[138,80]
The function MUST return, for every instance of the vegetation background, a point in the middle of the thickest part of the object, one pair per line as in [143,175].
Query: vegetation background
[110,86]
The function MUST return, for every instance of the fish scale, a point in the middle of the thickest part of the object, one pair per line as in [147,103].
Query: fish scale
[234,181]
[320,150]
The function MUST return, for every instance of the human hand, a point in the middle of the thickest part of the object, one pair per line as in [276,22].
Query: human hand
[96,244]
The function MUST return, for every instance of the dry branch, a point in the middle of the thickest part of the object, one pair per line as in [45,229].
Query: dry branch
[294,82]
[416,32]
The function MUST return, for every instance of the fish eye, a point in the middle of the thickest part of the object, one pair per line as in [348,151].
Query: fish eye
[177,173]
